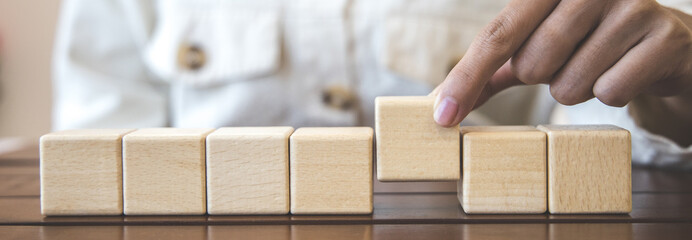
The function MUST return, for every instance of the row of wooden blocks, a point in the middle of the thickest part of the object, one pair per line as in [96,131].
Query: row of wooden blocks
[276,170]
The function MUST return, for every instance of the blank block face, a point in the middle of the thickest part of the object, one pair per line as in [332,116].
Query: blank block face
[331,170]
[589,169]
[81,172]
[504,170]
[410,145]
[247,170]
[164,171]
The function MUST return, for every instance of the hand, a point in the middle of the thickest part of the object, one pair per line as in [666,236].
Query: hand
[612,50]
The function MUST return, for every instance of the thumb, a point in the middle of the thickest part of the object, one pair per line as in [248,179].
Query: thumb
[502,79]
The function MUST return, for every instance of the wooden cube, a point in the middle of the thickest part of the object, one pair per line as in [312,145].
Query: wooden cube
[331,170]
[247,170]
[589,169]
[164,171]
[504,170]
[81,172]
[410,145]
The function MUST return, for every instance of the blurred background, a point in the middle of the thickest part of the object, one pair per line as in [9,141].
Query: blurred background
[27,28]
[395,49]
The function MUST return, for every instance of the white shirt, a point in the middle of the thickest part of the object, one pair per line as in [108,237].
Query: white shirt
[183,63]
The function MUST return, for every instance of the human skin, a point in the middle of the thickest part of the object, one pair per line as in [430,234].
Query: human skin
[615,50]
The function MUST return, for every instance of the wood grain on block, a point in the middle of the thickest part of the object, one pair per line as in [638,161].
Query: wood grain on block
[589,169]
[331,170]
[410,145]
[247,170]
[504,170]
[164,171]
[81,172]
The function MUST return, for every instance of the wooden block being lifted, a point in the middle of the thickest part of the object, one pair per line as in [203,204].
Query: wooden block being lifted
[410,145]
[164,171]
[247,170]
[81,172]
[504,170]
[589,169]
[331,170]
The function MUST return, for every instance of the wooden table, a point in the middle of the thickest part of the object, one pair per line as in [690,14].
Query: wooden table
[662,209]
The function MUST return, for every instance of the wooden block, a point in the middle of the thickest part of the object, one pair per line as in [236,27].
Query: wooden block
[247,170]
[81,172]
[331,170]
[589,169]
[504,170]
[164,171]
[410,145]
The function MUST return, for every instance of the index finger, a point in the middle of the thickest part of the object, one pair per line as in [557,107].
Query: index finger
[491,48]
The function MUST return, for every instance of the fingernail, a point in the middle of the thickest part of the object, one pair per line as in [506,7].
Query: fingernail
[446,111]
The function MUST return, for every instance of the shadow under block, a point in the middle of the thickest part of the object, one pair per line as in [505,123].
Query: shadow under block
[247,170]
[81,172]
[164,172]
[504,170]
[589,169]
[331,170]
[410,145]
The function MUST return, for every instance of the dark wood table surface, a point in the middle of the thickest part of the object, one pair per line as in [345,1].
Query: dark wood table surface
[662,209]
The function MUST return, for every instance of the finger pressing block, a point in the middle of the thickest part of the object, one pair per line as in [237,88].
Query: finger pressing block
[81,172]
[164,171]
[504,170]
[247,170]
[331,170]
[589,169]
[410,145]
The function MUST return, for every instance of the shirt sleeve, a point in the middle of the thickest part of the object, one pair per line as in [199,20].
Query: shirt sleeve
[99,78]
[648,149]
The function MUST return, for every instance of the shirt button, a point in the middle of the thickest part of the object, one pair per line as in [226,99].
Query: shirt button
[338,98]
[191,57]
